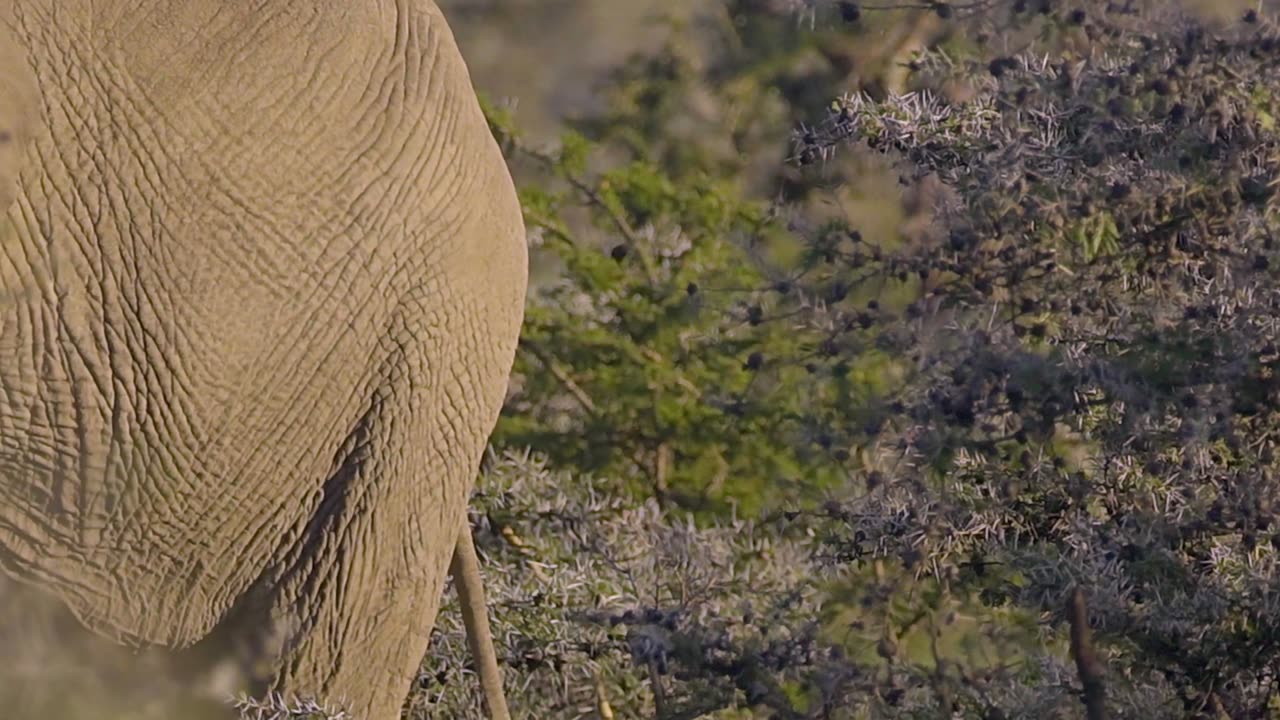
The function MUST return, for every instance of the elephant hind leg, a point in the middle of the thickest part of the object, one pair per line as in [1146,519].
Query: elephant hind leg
[465,569]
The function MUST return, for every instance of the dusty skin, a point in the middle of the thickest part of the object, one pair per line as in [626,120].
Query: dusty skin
[263,272]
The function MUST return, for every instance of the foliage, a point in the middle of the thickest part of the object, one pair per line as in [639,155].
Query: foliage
[1093,400]
[676,348]
[603,601]
[1044,427]
[592,586]
[654,360]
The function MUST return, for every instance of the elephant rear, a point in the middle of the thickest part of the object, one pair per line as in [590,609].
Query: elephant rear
[279,271]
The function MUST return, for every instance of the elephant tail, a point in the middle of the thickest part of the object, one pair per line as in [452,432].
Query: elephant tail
[465,569]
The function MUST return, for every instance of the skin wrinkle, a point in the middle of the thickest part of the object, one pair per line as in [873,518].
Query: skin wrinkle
[154,361]
[59,473]
[136,335]
[223,134]
[348,639]
[116,369]
[220,140]
[319,580]
[327,680]
[310,328]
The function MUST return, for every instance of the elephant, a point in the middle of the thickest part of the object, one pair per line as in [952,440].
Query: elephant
[264,269]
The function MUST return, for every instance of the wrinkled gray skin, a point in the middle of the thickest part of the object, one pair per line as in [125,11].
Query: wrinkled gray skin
[263,269]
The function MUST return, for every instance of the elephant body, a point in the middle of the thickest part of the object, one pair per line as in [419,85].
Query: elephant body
[263,275]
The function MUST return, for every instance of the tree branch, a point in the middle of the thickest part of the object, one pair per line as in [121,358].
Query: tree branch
[1087,664]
